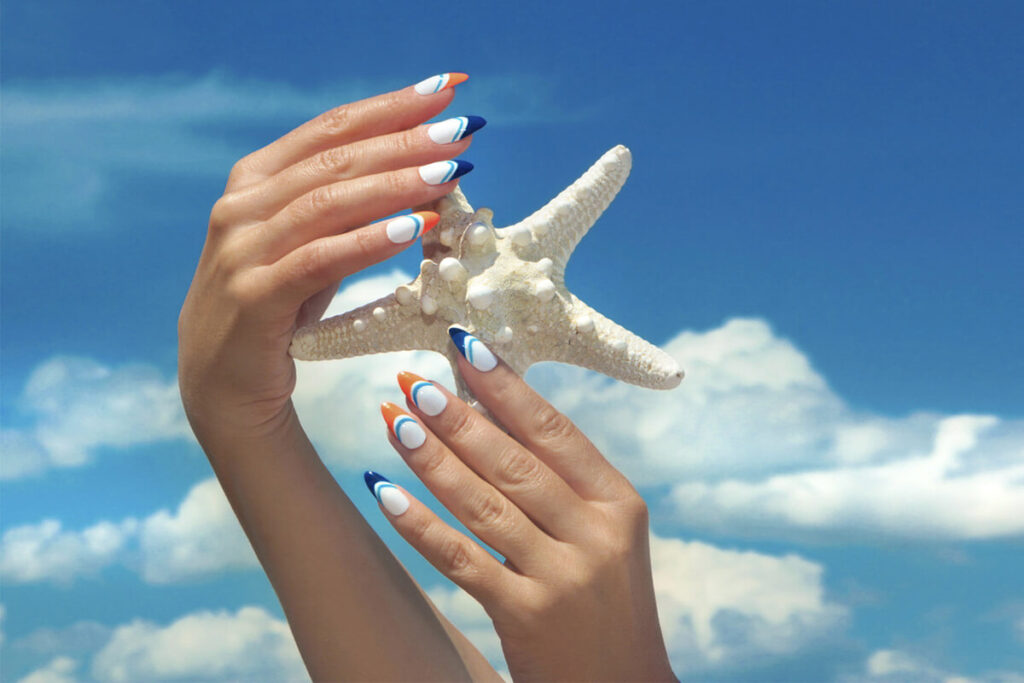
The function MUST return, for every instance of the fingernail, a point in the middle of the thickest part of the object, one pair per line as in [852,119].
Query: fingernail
[403,425]
[393,500]
[443,171]
[439,82]
[472,349]
[410,226]
[425,395]
[453,130]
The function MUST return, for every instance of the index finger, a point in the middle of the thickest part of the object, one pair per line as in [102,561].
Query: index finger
[535,423]
[379,115]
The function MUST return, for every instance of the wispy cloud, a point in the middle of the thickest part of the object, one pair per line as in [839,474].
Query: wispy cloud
[75,151]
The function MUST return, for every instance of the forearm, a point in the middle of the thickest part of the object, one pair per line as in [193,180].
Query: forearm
[349,602]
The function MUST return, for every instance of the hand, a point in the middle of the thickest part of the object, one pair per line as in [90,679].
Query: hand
[574,599]
[286,231]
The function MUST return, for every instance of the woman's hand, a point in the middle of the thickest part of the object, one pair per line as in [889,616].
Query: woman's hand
[296,217]
[574,599]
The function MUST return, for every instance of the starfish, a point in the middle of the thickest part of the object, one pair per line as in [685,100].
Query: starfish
[507,287]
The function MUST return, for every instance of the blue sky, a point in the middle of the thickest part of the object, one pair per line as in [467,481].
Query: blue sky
[823,223]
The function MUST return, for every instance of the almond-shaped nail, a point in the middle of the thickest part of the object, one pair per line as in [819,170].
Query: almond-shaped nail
[472,349]
[452,130]
[410,226]
[443,171]
[440,82]
[389,495]
[422,393]
[403,425]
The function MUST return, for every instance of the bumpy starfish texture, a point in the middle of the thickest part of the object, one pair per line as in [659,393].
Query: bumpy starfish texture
[507,287]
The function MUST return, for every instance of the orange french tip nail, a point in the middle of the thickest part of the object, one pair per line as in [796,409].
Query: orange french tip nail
[391,412]
[454,78]
[430,219]
[406,380]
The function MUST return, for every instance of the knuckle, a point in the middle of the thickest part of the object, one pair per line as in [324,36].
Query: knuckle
[320,200]
[552,425]
[402,145]
[239,172]
[431,464]
[365,244]
[336,161]
[488,510]
[455,556]
[518,468]
[336,121]
[223,213]
[394,184]
[460,426]
[311,262]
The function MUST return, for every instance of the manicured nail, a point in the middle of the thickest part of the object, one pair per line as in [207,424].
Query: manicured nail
[425,395]
[393,500]
[403,425]
[439,82]
[472,349]
[410,226]
[443,171]
[453,130]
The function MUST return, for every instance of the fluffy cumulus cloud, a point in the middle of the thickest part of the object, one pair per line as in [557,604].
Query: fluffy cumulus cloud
[898,666]
[249,644]
[723,609]
[72,406]
[200,538]
[57,670]
[754,441]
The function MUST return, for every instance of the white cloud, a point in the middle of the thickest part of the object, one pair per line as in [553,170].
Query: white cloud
[213,646]
[725,609]
[44,552]
[58,670]
[898,666]
[200,538]
[74,406]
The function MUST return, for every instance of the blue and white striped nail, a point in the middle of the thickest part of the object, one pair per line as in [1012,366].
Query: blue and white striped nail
[453,130]
[440,82]
[472,349]
[389,495]
[443,171]
[403,425]
[422,393]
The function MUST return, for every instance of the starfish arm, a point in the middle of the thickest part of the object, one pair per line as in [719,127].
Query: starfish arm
[560,225]
[378,327]
[599,344]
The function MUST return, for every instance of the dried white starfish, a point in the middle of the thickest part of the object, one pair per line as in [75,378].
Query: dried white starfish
[506,286]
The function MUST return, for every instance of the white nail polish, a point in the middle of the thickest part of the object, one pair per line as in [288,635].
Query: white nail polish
[472,349]
[405,228]
[448,131]
[443,171]
[409,432]
[428,398]
[393,500]
[439,82]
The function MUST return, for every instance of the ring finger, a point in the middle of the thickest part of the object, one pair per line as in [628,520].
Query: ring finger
[483,509]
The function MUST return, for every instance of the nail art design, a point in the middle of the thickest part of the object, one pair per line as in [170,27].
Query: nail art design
[424,394]
[443,171]
[453,130]
[410,226]
[472,349]
[393,500]
[403,425]
[439,82]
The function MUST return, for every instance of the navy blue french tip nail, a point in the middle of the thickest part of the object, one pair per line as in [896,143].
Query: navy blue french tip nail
[475,124]
[462,168]
[472,349]
[371,478]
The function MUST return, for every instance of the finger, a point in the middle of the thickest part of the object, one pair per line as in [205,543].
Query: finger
[535,423]
[314,267]
[452,553]
[501,461]
[417,147]
[387,113]
[340,206]
[484,510]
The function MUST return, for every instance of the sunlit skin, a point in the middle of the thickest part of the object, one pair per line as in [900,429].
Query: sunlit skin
[574,601]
